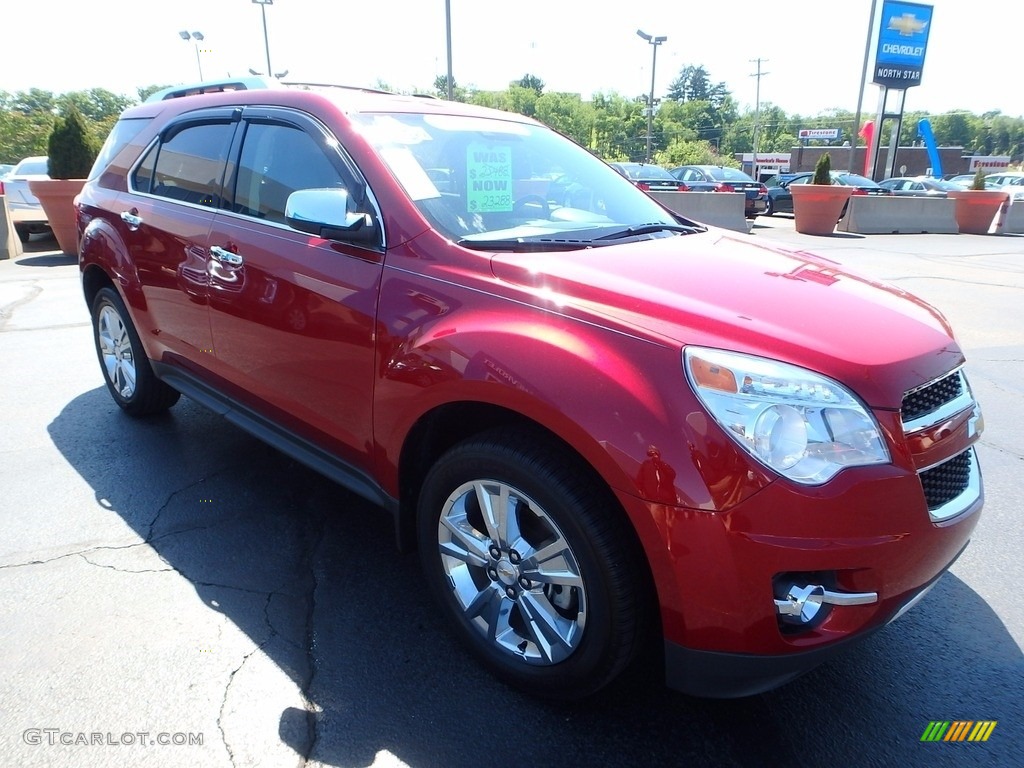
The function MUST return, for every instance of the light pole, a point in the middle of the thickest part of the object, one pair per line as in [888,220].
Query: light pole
[198,37]
[266,41]
[655,42]
[448,30]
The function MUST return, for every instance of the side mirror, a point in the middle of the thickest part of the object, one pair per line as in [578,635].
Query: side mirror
[326,213]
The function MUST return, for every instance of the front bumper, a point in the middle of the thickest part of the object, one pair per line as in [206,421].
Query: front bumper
[718,675]
[719,574]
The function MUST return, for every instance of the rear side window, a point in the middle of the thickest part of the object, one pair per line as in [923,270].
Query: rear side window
[122,133]
[188,166]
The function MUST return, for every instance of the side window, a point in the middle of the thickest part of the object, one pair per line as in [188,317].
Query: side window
[277,160]
[190,164]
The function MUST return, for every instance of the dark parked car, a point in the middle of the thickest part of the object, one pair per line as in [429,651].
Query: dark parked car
[779,198]
[715,178]
[609,433]
[919,186]
[648,177]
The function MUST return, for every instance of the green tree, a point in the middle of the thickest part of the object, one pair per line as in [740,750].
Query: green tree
[34,101]
[687,152]
[441,89]
[532,82]
[567,114]
[149,90]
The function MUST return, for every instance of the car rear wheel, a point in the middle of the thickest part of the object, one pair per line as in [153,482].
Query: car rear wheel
[534,566]
[126,369]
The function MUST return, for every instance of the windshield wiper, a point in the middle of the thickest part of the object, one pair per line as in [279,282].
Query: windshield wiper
[650,229]
[526,244]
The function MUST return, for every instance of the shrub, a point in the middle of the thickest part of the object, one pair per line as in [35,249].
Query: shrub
[72,150]
[979,179]
[823,170]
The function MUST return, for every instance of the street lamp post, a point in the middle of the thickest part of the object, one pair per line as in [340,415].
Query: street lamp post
[198,37]
[655,42]
[266,41]
[448,30]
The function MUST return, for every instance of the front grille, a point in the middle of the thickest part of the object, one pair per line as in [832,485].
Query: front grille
[932,397]
[945,482]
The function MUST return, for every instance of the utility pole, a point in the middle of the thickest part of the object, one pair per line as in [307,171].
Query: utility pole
[757,110]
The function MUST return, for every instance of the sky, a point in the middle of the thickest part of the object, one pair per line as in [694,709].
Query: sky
[812,52]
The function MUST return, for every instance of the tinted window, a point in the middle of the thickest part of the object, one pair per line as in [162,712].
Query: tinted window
[190,164]
[276,161]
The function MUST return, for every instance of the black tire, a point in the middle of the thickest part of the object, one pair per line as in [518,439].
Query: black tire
[769,207]
[23,232]
[126,369]
[592,597]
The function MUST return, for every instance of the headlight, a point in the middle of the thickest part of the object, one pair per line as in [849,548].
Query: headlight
[794,421]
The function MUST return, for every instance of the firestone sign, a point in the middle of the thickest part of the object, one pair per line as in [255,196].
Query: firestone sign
[831,134]
[902,43]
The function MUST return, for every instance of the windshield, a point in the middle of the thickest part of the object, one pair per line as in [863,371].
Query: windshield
[480,180]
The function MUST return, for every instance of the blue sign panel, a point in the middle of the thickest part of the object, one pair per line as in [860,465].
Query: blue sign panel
[902,43]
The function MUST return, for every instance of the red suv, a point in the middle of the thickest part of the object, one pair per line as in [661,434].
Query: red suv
[599,423]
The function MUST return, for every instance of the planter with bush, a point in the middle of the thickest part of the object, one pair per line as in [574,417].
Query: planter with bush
[72,151]
[977,207]
[817,205]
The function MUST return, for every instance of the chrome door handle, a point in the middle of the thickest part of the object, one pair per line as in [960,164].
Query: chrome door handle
[225,257]
[131,218]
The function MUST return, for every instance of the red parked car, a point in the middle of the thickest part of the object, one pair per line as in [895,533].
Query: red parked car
[600,424]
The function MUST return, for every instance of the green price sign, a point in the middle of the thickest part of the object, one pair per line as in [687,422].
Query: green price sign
[489,178]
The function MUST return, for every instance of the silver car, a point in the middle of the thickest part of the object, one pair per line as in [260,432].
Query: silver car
[26,212]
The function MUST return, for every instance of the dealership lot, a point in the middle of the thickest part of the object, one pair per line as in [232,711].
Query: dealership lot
[192,598]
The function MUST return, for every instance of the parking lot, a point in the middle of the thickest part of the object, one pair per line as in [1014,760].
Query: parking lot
[176,593]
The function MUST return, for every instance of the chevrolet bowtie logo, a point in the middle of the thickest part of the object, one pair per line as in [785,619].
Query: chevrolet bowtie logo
[907,25]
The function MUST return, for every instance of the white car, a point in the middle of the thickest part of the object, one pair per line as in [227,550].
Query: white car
[26,212]
[1011,182]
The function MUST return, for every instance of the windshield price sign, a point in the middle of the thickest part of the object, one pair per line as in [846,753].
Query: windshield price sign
[902,42]
[489,183]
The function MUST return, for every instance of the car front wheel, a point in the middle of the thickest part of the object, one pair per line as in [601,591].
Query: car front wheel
[126,369]
[769,207]
[532,564]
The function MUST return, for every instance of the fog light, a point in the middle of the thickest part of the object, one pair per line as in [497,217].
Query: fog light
[801,604]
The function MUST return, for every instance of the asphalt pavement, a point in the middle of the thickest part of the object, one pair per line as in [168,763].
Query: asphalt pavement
[176,593]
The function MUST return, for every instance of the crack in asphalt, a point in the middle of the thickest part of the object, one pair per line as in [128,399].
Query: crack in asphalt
[7,311]
[315,531]
[224,699]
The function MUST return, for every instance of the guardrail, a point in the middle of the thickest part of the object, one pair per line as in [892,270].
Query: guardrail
[716,209]
[877,215]
[10,245]
[1011,219]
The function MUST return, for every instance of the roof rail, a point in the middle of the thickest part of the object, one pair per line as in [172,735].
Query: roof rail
[213,86]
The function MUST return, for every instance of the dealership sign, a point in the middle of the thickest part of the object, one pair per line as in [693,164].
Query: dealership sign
[826,134]
[902,43]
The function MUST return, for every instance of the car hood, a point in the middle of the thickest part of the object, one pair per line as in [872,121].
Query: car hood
[713,289]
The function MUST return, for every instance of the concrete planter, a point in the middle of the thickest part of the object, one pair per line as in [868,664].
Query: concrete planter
[816,207]
[57,196]
[976,209]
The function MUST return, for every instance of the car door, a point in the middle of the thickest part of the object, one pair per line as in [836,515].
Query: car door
[165,219]
[293,314]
